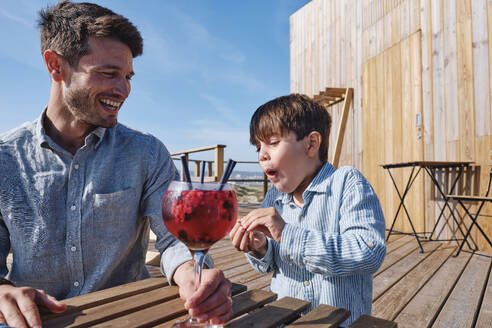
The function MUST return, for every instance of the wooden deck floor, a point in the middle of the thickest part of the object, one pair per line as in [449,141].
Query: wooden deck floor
[430,289]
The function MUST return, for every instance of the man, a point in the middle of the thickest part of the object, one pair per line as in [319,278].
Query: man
[79,191]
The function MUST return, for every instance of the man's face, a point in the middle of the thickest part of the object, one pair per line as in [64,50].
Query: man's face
[95,90]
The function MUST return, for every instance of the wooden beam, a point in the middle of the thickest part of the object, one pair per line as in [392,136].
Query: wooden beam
[341,127]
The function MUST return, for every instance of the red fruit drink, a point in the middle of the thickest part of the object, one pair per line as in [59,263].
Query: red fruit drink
[199,218]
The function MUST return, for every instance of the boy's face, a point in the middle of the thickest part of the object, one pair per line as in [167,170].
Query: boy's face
[286,162]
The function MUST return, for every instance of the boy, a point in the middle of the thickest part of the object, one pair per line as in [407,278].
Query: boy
[319,229]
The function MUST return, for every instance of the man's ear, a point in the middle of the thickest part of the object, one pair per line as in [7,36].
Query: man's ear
[313,142]
[55,65]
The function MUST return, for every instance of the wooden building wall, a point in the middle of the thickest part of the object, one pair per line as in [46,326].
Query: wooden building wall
[422,77]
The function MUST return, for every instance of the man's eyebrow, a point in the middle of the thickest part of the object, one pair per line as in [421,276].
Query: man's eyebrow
[110,66]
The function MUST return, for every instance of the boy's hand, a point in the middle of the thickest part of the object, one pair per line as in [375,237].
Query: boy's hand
[252,241]
[266,220]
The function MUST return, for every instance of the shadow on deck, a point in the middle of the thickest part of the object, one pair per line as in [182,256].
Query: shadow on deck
[430,289]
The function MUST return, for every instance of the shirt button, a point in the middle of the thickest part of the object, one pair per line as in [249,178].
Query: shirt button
[76,284]
[72,207]
[73,248]
[370,244]
[306,283]
[76,166]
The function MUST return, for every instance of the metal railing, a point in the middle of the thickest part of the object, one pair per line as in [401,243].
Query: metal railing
[215,168]
[218,162]
[264,180]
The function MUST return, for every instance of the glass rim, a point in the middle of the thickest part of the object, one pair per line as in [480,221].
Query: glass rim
[197,185]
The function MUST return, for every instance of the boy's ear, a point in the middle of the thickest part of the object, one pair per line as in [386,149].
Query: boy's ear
[55,64]
[313,142]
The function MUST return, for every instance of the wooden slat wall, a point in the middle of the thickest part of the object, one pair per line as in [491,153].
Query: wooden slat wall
[405,59]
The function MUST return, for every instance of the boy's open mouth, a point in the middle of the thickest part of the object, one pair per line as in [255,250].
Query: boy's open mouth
[271,173]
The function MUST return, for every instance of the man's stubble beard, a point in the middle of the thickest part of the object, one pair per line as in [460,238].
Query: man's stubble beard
[84,108]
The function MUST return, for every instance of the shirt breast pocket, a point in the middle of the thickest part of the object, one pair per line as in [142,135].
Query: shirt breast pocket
[114,213]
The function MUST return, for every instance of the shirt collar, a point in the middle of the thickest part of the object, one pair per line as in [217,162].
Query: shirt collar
[320,181]
[319,184]
[99,133]
[40,133]
[45,140]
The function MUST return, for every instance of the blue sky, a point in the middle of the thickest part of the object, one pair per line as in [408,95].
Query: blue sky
[206,66]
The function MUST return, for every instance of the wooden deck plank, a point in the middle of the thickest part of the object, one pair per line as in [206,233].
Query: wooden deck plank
[397,255]
[461,306]
[394,300]
[424,307]
[272,315]
[323,316]
[393,274]
[394,244]
[485,315]
[261,282]
[230,272]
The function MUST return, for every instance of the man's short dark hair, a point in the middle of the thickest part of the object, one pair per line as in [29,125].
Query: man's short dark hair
[66,28]
[295,112]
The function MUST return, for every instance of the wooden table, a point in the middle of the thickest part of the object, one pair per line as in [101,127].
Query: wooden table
[431,168]
[153,303]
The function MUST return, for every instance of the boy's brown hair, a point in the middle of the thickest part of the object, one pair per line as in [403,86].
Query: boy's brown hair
[294,112]
[66,28]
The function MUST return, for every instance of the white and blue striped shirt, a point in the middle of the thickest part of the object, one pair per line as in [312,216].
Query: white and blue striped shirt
[331,246]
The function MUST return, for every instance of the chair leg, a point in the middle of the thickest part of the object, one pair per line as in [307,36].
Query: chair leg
[474,221]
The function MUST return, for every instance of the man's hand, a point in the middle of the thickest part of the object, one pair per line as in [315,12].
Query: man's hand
[18,306]
[266,220]
[212,301]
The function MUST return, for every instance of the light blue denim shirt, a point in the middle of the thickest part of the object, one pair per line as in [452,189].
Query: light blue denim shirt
[331,246]
[80,223]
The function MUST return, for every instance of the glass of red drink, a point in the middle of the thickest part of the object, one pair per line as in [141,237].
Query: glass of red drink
[199,214]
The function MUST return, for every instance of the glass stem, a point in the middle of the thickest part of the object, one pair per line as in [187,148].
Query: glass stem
[199,257]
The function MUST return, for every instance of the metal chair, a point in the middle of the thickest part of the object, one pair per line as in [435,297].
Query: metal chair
[481,201]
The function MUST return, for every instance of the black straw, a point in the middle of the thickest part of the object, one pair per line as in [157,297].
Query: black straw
[186,171]
[227,173]
[202,174]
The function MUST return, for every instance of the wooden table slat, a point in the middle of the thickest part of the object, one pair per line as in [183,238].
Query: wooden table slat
[109,295]
[148,317]
[241,304]
[140,310]
[251,300]
[365,321]
[272,315]
[323,316]
[93,315]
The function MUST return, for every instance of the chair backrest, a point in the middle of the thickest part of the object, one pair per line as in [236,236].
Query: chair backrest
[490,177]
[488,186]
